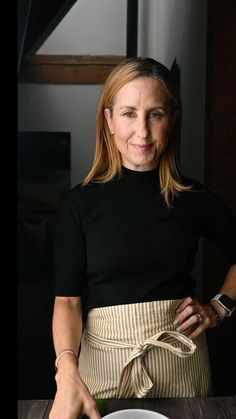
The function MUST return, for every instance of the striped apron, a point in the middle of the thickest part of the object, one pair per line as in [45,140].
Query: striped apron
[133,350]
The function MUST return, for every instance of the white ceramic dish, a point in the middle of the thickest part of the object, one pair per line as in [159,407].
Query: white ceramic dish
[135,414]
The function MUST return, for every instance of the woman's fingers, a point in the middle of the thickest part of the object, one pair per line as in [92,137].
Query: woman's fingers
[91,410]
[94,414]
[184,303]
[192,315]
[184,311]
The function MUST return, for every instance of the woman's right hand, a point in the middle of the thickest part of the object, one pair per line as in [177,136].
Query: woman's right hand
[72,398]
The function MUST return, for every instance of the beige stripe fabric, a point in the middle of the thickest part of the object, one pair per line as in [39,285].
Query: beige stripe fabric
[133,350]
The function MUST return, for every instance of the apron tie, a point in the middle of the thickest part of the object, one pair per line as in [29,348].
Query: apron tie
[134,373]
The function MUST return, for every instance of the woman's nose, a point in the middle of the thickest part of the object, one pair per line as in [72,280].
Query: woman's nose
[142,128]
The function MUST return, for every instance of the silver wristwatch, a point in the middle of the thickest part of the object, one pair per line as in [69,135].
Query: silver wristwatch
[226,302]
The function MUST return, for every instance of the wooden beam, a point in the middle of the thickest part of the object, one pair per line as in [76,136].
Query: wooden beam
[68,69]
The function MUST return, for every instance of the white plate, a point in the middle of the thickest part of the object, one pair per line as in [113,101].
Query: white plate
[135,414]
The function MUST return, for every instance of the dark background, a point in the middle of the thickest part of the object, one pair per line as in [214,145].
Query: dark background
[43,180]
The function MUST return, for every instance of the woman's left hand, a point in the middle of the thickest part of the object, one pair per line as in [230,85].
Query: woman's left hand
[191,313]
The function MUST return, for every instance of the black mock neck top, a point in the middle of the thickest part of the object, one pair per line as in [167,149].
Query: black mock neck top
[118,242]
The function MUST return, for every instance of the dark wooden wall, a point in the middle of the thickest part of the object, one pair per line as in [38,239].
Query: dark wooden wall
[220,172]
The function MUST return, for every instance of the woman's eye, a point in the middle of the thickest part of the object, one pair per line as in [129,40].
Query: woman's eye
[155,115]
[129,114]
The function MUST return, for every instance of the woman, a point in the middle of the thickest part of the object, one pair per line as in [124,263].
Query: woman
[124,250]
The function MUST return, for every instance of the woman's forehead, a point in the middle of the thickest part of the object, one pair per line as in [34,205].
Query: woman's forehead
[142,90]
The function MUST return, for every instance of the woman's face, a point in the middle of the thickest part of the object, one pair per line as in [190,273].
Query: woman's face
[141,121]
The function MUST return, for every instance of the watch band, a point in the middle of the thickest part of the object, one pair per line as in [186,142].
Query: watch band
[216,314]
[226,302]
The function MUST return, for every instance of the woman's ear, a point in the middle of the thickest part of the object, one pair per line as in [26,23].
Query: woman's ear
[108,116]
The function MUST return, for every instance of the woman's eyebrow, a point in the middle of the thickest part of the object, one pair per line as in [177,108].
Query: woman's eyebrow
[127,107]
[149,109]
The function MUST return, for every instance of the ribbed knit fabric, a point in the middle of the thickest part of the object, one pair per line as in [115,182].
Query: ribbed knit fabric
[133,350]
[118,242]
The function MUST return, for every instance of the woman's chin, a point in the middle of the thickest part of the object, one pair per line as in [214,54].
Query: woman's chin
[141,165]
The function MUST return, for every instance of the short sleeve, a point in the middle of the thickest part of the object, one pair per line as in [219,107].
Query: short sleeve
[69,249]
[220,226]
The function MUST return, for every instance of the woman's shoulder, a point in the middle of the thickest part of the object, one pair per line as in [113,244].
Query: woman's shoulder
[202,197]
[80,195]
[199,194]
[75,201]
[78,192]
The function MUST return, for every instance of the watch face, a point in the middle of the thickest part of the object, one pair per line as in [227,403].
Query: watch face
[227,302]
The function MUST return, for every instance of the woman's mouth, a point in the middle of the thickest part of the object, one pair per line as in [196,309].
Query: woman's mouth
[143,147]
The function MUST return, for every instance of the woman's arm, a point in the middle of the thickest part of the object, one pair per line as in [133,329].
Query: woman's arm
[72,397]
[189,309]
[228,288]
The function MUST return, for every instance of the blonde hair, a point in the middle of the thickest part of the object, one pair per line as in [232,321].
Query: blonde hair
[107,160]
